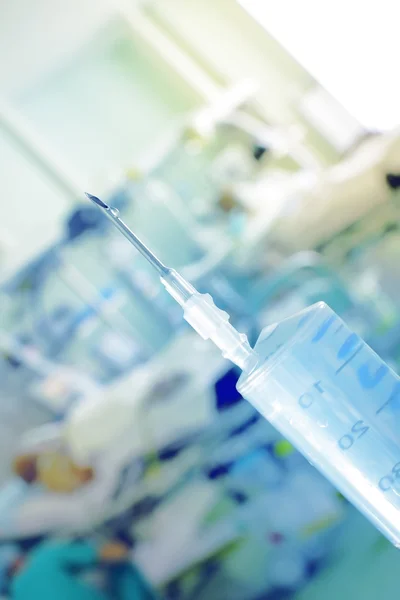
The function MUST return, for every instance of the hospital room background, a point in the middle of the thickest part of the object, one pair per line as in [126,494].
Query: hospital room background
[253,145]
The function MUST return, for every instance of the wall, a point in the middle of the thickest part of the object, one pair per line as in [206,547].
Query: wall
[37,36]
[108,106]
[31,207]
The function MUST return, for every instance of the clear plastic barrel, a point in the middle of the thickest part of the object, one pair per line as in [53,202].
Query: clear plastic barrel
[328,393]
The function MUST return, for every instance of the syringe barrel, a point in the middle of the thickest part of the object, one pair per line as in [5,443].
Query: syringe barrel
[328,393]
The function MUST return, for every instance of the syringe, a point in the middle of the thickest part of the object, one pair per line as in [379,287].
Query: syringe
[199,310]
[318,383]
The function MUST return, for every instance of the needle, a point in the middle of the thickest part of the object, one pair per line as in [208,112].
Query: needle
[113,215]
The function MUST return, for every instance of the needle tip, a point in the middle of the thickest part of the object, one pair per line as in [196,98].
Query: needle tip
[96,200]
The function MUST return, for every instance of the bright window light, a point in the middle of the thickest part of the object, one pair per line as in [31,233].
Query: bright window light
[350,47]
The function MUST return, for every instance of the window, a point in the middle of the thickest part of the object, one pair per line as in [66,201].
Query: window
[350,47]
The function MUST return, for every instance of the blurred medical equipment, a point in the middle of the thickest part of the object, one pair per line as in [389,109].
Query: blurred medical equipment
[242,438]
[355,294]
[52,306]
[120,444]
[341,195]
[39,508]
[310,360]
[57,387]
